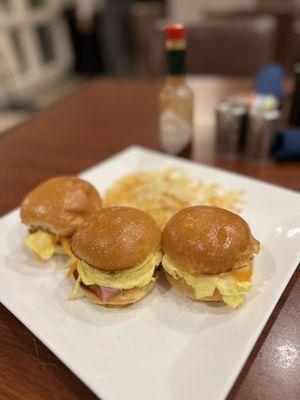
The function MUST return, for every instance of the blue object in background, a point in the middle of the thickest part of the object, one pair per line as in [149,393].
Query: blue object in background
[270,80]
[286,146]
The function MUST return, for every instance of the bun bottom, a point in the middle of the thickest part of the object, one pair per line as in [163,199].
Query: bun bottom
[188,291]
[129,296]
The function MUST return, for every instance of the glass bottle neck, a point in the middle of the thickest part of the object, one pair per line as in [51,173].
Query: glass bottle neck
[176,56]
[176,62]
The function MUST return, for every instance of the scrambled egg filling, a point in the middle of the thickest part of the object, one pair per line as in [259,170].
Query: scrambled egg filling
[138,276]
[231,285]
[44,244]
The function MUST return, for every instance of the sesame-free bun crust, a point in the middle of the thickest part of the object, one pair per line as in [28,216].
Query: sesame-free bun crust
[60,205]
[188,291]
[208,240]
[116,238]
[128,297]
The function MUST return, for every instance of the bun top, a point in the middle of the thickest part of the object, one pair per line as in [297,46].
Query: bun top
[208,240]
[116,238]
[60,205]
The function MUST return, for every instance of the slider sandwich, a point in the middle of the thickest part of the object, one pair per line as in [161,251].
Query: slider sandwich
[54,210]
[117,253]
[209,254]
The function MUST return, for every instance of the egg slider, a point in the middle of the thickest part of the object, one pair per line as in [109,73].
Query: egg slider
[117,252]
[209,254]
[54,210]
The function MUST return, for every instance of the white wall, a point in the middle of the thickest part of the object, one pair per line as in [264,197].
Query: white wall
[192,10]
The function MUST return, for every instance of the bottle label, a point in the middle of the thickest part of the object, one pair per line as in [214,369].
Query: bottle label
[175,132]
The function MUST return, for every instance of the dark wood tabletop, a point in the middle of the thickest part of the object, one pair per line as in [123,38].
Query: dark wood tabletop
[102,118]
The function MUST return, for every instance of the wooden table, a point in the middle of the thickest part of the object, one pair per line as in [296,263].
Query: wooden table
[99,120]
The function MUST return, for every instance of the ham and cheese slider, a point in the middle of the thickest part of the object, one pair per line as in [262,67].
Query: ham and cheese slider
[54,210]
[117,252]
[209,254]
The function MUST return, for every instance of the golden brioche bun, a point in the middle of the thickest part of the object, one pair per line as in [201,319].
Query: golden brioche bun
[129,296]
[116,238]
[60,205]
[188,291]
[208,240]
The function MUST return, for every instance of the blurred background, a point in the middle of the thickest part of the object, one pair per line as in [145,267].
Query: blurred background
[48,48]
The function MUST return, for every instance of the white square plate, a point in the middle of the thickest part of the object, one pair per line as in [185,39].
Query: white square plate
[165,347]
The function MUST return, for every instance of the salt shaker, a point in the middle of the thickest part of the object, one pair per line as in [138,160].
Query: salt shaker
[230,126]
[260,134]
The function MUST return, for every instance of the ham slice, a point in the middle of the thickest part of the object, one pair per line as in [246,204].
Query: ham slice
[108,293]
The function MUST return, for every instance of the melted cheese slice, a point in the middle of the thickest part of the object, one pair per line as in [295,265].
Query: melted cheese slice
[66,246]
[138,276]
[42,243]
[231,285]
[45,245]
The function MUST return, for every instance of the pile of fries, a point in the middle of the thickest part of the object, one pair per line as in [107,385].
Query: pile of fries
[164,192]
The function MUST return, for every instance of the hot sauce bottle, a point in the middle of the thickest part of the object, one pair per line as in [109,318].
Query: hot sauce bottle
[176,97]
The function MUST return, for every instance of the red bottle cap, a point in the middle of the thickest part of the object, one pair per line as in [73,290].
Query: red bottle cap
[175,31]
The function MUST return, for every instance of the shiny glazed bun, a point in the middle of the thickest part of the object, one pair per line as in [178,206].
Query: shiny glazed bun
[60,205]
[208,240]
[116,238]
